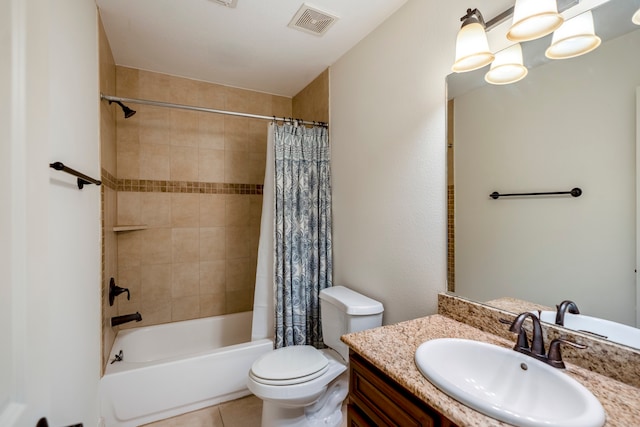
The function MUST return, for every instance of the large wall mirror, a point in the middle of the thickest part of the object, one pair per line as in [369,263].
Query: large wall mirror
[569,123]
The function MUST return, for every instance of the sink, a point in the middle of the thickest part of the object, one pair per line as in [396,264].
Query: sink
[507,385]
[612,331]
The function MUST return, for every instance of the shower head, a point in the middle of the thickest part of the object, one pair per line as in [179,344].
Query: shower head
[128,112]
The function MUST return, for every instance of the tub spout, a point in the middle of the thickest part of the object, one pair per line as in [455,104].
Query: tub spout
[119,320]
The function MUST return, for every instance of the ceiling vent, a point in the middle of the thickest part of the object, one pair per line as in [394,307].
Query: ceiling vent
[311,20]
[228,3]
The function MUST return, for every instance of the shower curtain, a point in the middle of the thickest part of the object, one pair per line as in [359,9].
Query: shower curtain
[302,263]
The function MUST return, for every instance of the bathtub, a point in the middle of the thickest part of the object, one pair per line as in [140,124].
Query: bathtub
[174,368]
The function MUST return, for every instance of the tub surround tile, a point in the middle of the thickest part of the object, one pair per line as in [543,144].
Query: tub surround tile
[185,128]
[185,308]
[156,209]
[186,279]
[392,348]
[210,131]
[616,361]
[156,246]
[213,304]
[155,161]
[187,176]
[213,210]
[211,164]
[184,163]
[155,281]
[185,210]
[185,244]
[212,277]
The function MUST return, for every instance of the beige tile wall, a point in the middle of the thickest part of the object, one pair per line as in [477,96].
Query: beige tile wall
[312,102]
[194,179]
[108,189]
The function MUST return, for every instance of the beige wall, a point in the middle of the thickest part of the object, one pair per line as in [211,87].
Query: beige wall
[194,180]
[108,188]
[312,102]
[388,144]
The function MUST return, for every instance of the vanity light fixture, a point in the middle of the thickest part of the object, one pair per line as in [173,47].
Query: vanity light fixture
[507,67]
[533,19]
[636,17]
[472,47]
[574,38]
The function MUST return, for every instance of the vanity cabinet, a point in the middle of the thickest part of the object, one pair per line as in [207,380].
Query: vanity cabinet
[377,400]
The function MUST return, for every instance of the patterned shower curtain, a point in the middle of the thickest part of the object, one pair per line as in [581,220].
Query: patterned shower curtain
[303,253]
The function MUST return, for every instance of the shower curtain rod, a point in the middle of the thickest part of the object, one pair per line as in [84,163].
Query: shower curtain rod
[208,110]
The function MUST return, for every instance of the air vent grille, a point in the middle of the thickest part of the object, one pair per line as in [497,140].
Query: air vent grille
[311,20]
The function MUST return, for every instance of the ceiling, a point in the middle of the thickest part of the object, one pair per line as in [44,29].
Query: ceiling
[249,46]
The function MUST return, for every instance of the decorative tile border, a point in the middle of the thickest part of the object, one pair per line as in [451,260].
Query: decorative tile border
[108,180]
[159,186]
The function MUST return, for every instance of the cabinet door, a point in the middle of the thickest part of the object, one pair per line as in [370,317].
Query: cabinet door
[375,399]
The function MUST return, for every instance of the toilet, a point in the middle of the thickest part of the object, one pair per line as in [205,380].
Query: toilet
[303,386]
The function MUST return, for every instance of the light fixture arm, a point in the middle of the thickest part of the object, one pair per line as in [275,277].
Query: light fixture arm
[473,16]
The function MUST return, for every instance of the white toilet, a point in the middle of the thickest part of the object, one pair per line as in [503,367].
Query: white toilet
[304,386]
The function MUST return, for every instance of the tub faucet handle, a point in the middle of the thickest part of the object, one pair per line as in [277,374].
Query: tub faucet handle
[115,290]
[117,357]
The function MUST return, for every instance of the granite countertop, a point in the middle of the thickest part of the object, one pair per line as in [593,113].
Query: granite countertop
[392,348]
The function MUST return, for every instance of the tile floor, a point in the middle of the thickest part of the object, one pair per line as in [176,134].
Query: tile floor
[244,412]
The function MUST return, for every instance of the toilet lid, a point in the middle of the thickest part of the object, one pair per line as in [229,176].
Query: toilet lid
[289,364]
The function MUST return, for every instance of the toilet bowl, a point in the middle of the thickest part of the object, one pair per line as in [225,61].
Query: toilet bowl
[304,386]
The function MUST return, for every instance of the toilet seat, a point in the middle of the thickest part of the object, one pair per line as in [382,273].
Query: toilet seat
[289,365]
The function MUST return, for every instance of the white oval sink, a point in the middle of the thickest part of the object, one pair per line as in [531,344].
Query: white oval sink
[507,385]
[612,331]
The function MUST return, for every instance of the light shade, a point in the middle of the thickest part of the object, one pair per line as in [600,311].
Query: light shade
[507,67]
[472,47]
[574,38]
[533,19]
[636,17]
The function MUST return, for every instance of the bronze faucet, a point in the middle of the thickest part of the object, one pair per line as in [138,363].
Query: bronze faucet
[554,357]
[562,309]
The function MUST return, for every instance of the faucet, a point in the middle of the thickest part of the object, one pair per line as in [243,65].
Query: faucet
[554,357]
[537,340]
[562,309]
[119,320]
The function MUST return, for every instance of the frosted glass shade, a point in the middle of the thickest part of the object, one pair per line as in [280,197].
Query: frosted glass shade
[533,19]
[507,67]
[574,38]
[472,49]
[636,17]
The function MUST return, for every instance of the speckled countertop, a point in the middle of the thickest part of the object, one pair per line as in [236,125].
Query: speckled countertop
[392,348]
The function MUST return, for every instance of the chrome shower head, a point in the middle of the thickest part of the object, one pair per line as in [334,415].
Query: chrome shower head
[128,112]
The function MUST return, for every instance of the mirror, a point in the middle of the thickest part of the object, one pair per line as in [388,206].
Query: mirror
[569,123]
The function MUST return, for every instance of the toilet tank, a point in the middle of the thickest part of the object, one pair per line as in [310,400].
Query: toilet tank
[345,311]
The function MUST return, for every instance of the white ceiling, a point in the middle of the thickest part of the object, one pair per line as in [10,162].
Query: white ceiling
[249,46]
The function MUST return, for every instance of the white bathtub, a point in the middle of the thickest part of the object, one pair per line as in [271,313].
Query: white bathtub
[178,367]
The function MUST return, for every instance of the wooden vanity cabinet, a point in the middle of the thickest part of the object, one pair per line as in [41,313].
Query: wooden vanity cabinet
[377,400]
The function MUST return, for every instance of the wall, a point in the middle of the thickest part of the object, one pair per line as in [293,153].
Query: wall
[55,239]
[108,189]
[577,132]
[73,216]
[194,180]
[389,156]
[312,102]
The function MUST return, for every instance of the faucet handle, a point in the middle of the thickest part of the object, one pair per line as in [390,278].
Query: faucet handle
[523,339]
[115,290]
[554,357]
